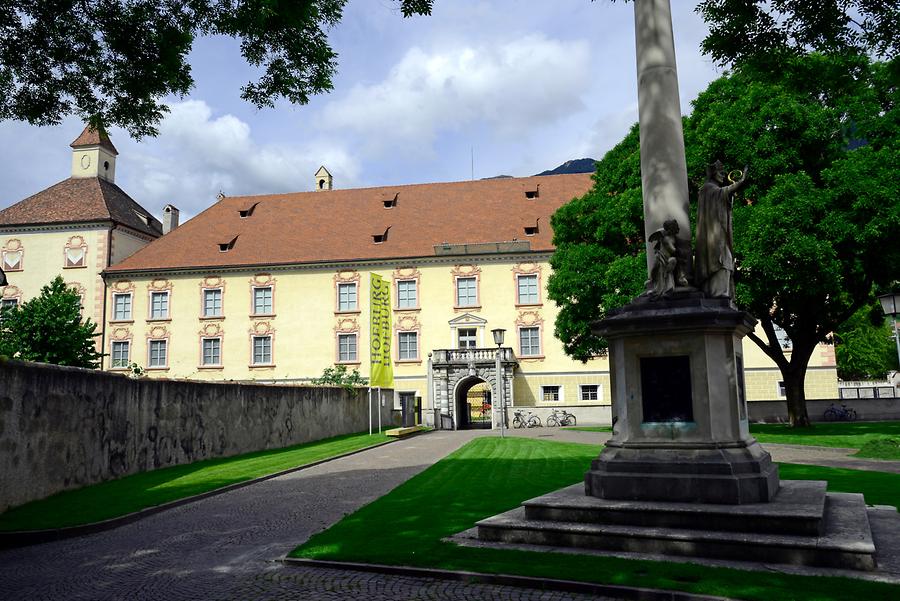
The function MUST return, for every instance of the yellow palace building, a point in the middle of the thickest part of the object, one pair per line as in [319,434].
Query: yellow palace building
[76,228]
[275,288]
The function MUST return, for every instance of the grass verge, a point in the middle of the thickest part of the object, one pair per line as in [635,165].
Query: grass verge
[489,475]
[839,434]
[881,448]
[132,493]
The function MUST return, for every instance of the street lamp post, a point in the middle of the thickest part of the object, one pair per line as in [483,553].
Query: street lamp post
[498,334]
[890,304]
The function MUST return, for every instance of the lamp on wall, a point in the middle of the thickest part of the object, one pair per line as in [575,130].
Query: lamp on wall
[890,304]
[498,334]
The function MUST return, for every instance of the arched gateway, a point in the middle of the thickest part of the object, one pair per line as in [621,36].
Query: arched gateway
[464,382]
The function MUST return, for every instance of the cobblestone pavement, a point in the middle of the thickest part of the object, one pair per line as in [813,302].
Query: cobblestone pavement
[223,547]
[316,584]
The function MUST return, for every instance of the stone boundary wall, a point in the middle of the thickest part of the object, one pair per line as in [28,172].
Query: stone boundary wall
[64,427]
[866,409]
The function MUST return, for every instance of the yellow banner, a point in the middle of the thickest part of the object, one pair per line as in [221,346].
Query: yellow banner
[382,371]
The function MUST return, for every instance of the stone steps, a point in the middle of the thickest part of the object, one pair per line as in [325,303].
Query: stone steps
[565,520]
[798,508]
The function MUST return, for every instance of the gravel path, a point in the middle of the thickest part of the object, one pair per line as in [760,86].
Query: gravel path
[224,547]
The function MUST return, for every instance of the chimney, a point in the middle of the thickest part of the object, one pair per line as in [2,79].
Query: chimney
[170,218]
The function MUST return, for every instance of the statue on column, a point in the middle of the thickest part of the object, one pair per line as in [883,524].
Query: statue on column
[714,258]
[667,272]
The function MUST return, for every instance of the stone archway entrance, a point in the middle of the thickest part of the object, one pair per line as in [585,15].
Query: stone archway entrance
[474,408]
[456,371]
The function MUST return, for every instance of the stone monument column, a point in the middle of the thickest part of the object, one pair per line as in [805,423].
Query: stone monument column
[663,166]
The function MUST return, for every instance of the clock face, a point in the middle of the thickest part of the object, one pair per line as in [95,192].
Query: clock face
[85,161]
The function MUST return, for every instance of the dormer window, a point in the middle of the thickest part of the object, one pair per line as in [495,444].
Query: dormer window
[390,203]
[244,213]
[533,193]
[226,246]
[531,230]
[143,218]
[380,238]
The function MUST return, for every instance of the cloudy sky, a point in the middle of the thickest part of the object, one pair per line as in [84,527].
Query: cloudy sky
[524,84]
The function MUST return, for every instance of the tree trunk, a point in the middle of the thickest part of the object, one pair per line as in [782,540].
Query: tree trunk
[794,382]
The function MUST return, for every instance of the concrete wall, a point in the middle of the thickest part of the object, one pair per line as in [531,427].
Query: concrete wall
[63,428]
[866,409]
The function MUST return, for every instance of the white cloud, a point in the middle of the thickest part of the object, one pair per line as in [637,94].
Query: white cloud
[510,87]
[198,154]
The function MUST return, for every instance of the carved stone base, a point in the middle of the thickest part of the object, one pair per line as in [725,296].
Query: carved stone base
[700,474]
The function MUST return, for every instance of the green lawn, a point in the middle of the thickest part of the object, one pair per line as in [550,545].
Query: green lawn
[875,436]
[139,491]
[837,434]
[490,475]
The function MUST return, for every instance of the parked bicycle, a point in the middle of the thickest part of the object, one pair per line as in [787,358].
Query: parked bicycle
[838,414]
[520,420]
[561,417]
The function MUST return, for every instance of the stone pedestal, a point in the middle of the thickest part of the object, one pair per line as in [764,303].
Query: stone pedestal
[680,415]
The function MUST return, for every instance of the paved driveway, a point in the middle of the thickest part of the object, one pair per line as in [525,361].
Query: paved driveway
[223,547]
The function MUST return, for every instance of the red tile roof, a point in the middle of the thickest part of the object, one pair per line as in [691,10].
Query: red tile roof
[78,200]
[338,225]
[93,137]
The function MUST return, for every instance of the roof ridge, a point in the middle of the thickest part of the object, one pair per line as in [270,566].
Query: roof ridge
[392,186]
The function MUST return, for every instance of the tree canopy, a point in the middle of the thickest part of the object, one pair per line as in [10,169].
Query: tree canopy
[865,347]
[49,329]
[114,62]
[766,34]
[814,234]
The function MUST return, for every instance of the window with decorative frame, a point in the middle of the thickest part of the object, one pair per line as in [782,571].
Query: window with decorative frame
[530,341]
[159,304]
[590,392]
[467,337]
[120,354]
[75,253]
[262,300]
[212,302]
[211,351]
[347,348]
[347,296]
[407,294]
[527,290]
[122,306]
[466,291]
[262,350]
[407,346]
[157,353]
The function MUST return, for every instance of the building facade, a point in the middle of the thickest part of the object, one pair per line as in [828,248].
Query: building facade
[276,288]
[76,228]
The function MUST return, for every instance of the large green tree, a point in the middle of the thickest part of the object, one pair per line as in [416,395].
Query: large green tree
[113,62]
[864,345]
[49,329]
[813,231]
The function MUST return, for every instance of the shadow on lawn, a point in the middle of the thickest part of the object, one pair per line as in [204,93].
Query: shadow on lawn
[134,492]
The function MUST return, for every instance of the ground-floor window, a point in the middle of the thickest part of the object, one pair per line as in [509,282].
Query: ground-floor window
[408,345]
[551,393]
[347,348]
[120,353]
[158,350]
[590,392]
[262,350]
[212,351]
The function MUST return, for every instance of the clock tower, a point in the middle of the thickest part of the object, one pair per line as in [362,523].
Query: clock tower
[93,155]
